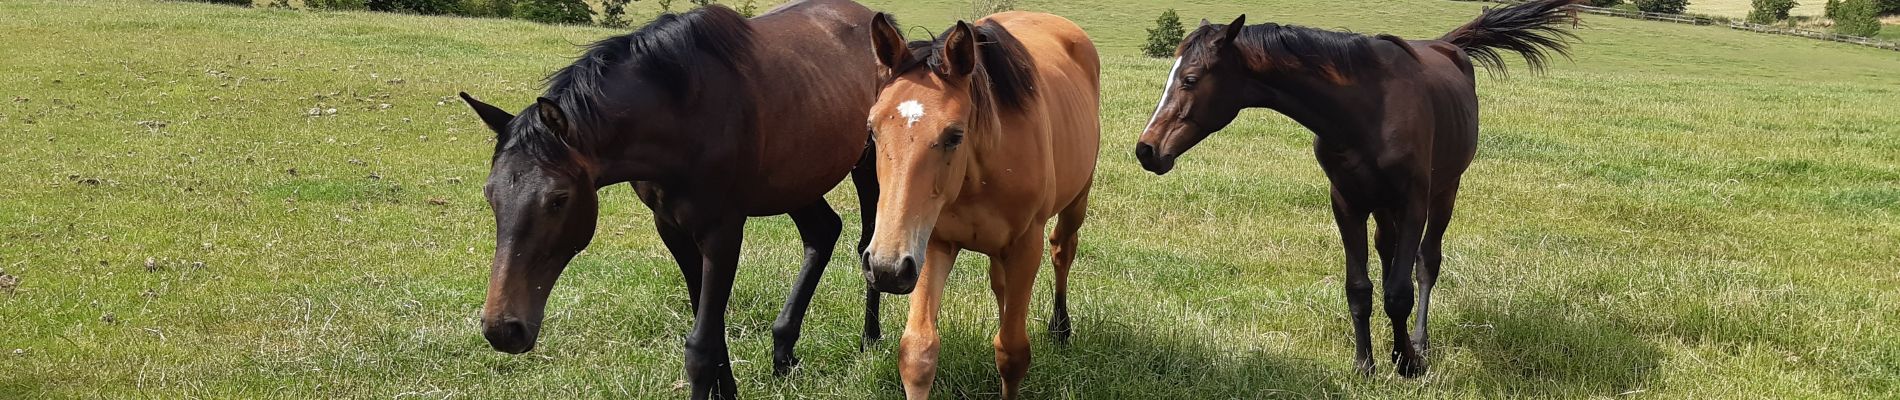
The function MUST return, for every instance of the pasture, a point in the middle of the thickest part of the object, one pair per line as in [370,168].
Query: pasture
[202,201]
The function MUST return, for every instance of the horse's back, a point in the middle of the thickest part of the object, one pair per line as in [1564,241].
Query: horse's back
[1068,91]
[804,51]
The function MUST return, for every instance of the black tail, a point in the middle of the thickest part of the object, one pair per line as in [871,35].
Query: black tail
[1528,28]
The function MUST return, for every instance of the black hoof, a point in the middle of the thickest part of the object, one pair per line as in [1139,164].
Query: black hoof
[783,365]
[1409,366]
[1060,328]
[869,341]
[1364,367]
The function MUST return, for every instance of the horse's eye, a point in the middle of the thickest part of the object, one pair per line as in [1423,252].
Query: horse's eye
[952,138]
[1187,83]
[556,202]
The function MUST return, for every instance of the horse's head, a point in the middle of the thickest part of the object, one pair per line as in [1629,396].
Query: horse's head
[542,192]
[1205,91]
[919,124]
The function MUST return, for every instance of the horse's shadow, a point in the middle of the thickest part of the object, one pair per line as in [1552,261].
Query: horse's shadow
[1124,360]
[1547,348]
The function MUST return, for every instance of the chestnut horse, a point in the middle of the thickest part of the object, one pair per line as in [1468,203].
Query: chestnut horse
[1395,124]
[982,137]
[710,117]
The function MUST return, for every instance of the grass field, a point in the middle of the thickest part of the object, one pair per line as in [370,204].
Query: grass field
[1679,212]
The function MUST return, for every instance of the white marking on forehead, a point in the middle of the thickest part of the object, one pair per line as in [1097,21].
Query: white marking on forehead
[1173,74]
[912,111]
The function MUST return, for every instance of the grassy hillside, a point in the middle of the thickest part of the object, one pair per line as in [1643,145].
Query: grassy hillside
[1679,212]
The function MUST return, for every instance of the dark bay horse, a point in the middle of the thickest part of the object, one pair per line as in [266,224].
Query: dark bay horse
[983,136]
[1395,124]
[712,118]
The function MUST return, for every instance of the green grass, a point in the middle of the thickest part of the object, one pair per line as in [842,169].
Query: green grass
[1679,212]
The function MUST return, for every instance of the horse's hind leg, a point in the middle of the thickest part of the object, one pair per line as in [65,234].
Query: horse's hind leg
[1062,249]
[1432,254]
[864,178]
[818,228]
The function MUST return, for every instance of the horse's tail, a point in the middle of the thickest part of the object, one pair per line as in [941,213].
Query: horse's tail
[1530,29]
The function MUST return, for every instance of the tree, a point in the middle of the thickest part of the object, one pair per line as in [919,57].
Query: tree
[1766,11]
[613,14]
[554,11]
[1663,6]
[1832,5]
[424,7]
[1165,36]
[749,9]
[1605,3]
[1857,18]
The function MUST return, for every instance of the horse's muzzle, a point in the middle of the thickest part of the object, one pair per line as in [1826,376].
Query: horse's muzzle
[510,335]
[897,276]
[1152,161]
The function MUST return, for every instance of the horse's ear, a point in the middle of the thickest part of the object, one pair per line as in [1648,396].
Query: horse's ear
[1232,30]
[552,117]
[888,42]
[959,51]
[496,119]
[1205,23]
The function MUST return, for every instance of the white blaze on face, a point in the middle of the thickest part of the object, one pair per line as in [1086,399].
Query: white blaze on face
[911,111]
[1173,75]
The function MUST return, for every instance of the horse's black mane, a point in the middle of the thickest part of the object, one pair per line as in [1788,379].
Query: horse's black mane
[1006,68]
[1301,47]
[672,51]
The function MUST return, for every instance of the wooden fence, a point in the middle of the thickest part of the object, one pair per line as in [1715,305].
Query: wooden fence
[1696,20]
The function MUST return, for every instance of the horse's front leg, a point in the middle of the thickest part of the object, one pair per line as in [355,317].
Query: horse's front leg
[1019,264]
[1399,289]
[818,228]
[1352,233]
[917,350]
[864,178]
[708,365]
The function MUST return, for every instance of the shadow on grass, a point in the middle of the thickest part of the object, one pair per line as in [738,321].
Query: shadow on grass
[1113,359]
[1546,347]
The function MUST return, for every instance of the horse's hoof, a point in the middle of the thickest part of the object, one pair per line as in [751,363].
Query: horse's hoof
[1409,365]
[783,365]
[1060,329]
[1364,367]
[869,342]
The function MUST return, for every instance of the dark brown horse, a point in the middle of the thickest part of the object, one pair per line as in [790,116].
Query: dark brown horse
[712,119]
[1395,124]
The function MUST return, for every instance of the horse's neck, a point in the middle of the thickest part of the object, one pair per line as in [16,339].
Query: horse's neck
[1331,110]
[633,145]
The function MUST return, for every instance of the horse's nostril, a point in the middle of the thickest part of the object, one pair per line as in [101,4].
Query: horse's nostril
[1143,151]
[908,266]
[510,335]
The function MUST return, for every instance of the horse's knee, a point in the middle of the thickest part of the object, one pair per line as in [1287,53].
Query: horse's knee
[1359,296]
[1398,297]
[917,352]
[917,362]
[1012,356]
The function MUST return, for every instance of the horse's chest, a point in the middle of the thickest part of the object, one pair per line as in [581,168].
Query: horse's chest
[1357,175]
